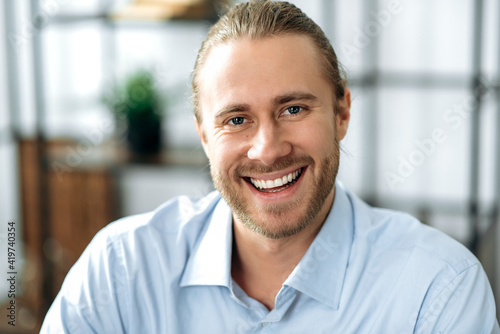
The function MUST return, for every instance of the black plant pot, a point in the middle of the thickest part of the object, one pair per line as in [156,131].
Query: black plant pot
[144,133]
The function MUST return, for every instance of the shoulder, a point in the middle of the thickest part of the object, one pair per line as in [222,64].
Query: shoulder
[179,216]
[418,268]
[399,232]
[163,238]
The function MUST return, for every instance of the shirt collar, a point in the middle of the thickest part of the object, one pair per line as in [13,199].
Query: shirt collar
[210,260]
[320,274]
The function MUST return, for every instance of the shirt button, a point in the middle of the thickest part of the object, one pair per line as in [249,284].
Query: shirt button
[266,324]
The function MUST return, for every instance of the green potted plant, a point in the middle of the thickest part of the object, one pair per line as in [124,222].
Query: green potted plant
[137,104]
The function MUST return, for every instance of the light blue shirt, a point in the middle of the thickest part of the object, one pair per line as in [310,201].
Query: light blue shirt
[368,271]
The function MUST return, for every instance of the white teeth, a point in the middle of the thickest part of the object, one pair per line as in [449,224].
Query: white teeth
[268,184]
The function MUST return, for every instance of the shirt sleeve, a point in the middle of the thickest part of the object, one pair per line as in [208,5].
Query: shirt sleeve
[464,305]
[92,298]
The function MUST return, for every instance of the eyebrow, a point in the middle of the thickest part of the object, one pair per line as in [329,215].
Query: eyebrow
[293,96]
[233,108]
[278,100]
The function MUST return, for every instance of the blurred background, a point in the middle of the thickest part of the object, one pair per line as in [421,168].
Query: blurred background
[96,121]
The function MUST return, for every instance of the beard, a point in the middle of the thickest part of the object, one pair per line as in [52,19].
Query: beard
[282,226]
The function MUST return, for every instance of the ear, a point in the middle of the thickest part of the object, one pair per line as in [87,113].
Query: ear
[203,138]
[344,114]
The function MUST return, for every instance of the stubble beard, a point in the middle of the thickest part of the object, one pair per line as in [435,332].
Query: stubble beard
[249,214]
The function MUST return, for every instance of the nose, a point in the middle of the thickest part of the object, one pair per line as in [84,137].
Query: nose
[269,144]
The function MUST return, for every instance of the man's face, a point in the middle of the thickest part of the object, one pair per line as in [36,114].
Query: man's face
[270,132]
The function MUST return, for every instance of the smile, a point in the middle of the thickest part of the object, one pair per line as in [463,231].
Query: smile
[278,184]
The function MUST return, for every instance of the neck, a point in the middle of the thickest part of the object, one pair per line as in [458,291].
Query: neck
[260,265]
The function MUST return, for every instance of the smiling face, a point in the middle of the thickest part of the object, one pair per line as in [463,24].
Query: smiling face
[271,133]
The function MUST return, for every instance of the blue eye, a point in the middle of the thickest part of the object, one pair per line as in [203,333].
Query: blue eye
[293,110]
[237,120]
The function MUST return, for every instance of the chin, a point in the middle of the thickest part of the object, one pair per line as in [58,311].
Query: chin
[277,226]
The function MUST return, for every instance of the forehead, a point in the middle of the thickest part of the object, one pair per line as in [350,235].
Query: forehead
[254,70]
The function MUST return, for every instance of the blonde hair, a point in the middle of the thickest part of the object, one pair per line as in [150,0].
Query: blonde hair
[265,18]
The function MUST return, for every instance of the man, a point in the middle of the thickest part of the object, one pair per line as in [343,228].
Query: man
[281,247]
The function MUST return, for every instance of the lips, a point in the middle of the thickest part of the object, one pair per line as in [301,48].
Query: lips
[277,184]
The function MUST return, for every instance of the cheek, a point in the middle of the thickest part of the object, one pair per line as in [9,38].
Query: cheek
[315,137]
[226,153]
